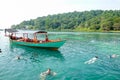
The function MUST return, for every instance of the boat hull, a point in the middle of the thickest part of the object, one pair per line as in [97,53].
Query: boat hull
[48,45]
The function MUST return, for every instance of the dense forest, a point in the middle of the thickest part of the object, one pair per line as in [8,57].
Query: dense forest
[94,20]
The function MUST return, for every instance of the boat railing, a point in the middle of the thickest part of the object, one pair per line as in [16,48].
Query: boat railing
[33,40]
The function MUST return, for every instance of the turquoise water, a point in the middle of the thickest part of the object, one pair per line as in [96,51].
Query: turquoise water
[67,62]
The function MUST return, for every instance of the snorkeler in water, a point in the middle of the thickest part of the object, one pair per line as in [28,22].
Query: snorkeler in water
[91,60]
[19,58]
[113,56]
[48,72]
[43,75]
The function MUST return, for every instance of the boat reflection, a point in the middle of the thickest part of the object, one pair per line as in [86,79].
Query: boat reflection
[35,54]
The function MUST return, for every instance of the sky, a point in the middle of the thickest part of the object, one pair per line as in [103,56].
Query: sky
[15,11]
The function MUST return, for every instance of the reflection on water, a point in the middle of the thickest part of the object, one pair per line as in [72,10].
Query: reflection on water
[35,54]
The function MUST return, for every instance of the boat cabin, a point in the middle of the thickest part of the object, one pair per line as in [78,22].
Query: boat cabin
[12,35]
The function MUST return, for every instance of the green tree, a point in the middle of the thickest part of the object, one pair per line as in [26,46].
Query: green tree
[116,26]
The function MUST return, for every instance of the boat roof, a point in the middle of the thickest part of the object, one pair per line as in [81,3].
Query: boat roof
[11,30]
[40,32]
[32,32]
[24,31]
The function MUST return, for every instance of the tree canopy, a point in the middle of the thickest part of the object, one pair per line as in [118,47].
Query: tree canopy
[93,20]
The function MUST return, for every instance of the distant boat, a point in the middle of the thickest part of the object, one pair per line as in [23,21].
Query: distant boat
[1,29]
[26,41]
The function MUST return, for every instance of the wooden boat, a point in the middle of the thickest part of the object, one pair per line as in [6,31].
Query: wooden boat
[26,41]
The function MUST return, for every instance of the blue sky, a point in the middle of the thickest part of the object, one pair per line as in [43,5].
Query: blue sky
[16,11]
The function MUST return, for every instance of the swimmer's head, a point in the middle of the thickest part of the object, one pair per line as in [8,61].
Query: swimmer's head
[96,56]
[48,71]
[18,57]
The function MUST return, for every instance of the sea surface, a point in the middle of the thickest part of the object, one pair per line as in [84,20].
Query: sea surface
[68,62]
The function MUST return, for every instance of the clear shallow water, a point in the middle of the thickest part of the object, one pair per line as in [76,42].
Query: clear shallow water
[67,62]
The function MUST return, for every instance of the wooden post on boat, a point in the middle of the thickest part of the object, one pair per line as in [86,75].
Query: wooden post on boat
[5,32]
[46,37]
[35,38]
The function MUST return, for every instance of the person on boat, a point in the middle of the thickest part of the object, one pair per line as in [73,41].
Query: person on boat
[11,36]
[91,60]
